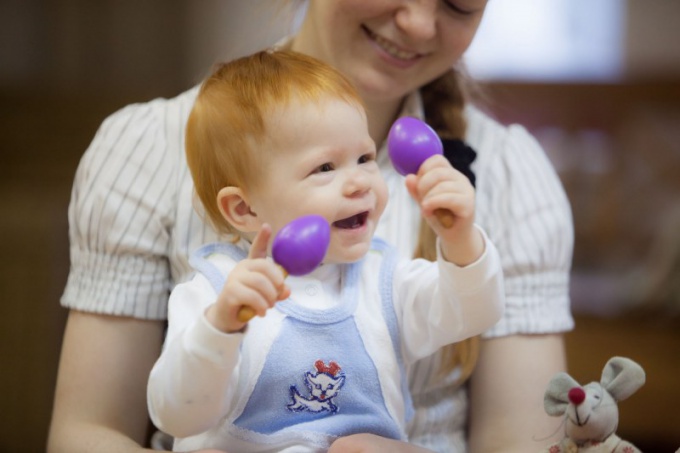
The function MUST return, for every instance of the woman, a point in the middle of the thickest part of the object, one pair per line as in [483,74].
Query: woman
[133,224]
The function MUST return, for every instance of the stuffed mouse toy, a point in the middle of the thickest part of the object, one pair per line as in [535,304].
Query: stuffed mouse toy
[590,412]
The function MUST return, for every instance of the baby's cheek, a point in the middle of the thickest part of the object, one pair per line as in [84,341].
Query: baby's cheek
[381,197]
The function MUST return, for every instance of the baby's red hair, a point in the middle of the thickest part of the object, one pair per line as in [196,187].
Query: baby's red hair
[228,119]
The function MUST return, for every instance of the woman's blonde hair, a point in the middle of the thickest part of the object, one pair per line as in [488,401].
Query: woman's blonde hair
[228,119]
[444,100]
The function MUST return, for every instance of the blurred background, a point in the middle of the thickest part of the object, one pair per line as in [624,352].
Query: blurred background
[597,82]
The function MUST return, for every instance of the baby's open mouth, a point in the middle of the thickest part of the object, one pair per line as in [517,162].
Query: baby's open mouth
[350,223]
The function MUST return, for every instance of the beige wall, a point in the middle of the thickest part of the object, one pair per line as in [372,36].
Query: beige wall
[126,46]
[653,38]
[163,46]
[220,30]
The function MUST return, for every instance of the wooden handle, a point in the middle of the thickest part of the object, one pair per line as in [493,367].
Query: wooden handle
[445,217]
[245,313]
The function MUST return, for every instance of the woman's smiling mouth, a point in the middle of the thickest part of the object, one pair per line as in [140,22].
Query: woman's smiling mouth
[353,222]
[390,48]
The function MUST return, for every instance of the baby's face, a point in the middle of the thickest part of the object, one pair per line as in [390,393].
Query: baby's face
[320,159]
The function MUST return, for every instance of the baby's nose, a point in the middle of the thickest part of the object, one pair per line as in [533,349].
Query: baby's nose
[356,183]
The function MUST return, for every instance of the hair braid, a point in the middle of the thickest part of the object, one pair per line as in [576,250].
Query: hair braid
[444,101]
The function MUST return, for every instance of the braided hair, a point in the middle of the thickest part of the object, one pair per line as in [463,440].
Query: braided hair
[444,100]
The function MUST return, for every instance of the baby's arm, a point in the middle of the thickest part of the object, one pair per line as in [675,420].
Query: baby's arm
[442,303]
[189,386]
[465,297]
[256,282]
[438,185]
[188,383]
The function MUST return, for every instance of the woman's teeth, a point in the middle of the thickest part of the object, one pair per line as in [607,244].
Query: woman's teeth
[390,48]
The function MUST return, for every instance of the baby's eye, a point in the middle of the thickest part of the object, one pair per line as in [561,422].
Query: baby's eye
[325,167]
[597,397]
[366,158]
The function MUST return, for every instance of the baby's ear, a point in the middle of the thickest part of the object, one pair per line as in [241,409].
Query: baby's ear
[235,209]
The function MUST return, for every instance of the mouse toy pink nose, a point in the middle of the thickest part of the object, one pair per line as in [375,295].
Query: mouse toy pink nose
[576,395]
[411,142]
[301,245]
[299,248]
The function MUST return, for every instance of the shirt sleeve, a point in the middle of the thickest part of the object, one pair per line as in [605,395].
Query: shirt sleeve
[441,303]
[188,387]
[528,218]
[121,217]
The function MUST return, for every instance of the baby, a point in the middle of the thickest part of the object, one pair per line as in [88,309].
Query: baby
[273,137]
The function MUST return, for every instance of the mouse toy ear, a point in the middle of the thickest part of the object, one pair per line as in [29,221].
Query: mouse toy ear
[622,377]
[556,396]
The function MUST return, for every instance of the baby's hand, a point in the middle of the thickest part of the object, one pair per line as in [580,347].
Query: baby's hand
[255,283]
[438,186]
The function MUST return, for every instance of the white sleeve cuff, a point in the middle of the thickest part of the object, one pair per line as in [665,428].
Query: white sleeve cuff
[470,278]
[203,340]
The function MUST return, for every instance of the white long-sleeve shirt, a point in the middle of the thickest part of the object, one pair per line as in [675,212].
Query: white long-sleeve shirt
[372,318]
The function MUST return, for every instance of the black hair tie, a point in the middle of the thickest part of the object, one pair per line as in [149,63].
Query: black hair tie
[460,155]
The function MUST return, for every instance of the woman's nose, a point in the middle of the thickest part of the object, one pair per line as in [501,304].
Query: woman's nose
[417,19]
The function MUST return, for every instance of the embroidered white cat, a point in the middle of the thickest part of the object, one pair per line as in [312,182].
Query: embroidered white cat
[323,386]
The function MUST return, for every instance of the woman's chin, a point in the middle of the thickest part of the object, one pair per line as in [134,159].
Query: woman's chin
[377,86]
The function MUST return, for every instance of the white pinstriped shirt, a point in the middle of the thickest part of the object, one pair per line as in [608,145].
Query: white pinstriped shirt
[133,225]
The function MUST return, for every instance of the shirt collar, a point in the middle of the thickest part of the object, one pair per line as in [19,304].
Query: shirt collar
[413,106]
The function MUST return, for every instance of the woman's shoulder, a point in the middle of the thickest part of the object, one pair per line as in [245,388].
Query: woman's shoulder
[484,130]
[158,112]
[136,158]
[142,136]
[496,142]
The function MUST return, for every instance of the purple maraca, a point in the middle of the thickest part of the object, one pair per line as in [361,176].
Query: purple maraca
[299,248]
[410,143]
[301,245]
